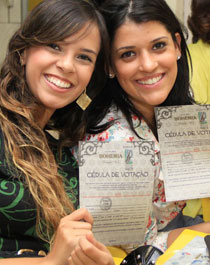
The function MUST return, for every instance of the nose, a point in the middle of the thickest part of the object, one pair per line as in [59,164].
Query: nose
[147,62]
[66,64]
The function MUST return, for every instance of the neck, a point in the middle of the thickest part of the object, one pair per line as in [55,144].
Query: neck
[148,113]
[149,116]
[152,124]
[44,117]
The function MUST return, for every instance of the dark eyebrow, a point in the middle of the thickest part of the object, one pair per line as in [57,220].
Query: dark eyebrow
[125,48]
[160,38]
[132,47]
[64,42]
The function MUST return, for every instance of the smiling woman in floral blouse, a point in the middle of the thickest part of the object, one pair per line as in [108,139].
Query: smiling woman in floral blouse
[148,68]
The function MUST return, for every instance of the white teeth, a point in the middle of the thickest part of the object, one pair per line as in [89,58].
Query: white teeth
[58,82]
[150,81]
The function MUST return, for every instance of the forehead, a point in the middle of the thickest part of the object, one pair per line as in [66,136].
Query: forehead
[131,32]
[87,38]
[87,31]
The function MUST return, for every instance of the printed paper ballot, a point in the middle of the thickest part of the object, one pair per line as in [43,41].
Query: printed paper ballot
[184,136]
[116,186]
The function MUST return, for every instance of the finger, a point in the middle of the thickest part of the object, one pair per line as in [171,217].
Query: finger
[77,233]
[67,224]
[74,259]
[81,214]
[96,243]
[96,251]
[77,225]
[80,258]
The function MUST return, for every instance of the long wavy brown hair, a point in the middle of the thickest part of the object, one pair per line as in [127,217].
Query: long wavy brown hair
[25,142]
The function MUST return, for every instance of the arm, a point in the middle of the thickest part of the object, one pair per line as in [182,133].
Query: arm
[74,244]
[203,227]
[68,234]
[24,261]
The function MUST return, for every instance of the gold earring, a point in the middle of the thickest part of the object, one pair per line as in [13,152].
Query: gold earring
[83,100]
[21,59]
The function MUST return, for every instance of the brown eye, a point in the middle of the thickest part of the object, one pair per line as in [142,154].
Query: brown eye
[127,54]
[85,57]
[159,45]
[54,46]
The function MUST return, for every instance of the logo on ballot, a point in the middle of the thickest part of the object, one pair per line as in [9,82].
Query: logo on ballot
[128,156]
[202,116]
[128,159]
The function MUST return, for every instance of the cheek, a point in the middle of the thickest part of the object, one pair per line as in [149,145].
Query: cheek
[124,70]
[29,77]
[170,61]
[85,76]
[173,70]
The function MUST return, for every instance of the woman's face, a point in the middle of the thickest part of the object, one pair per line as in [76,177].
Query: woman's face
[58,73]
[144,59]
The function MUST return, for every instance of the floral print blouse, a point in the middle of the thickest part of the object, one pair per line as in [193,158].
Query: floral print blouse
[162,212]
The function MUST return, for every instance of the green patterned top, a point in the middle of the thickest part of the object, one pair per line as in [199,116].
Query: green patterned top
[17,208]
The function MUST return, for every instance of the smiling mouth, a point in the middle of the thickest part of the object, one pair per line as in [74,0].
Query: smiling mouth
[150,81]
[57,82]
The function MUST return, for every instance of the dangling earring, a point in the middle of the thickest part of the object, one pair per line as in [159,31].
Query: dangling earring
[178,57]
[21,59]
[111,75]
[83,100]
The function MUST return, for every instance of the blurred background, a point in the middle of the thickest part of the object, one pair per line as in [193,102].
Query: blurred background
[13,12]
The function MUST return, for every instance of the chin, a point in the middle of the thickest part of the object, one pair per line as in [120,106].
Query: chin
[159,101]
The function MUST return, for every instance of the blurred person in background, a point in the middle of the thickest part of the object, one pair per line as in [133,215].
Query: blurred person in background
[199,24]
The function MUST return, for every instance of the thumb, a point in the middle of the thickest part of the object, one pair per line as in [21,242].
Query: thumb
[97,244]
